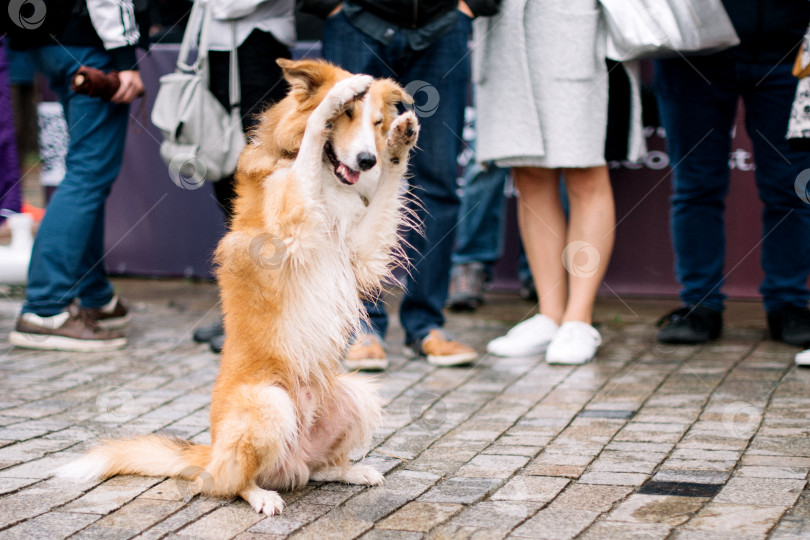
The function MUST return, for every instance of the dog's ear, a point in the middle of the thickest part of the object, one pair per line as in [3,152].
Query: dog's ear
[393,94]
[304,75]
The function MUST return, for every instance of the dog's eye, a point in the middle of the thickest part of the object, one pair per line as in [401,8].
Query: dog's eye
[350,113]
[378,122]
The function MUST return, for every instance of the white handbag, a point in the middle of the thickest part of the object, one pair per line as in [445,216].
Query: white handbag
[202,139]
[661,28]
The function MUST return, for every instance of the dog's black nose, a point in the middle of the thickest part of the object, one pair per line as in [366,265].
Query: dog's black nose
[366,161]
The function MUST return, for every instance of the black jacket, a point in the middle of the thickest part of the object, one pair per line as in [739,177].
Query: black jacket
[770,30]
[404,13]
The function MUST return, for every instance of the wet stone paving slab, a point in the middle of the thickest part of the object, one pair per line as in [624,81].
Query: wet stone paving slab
[647,441]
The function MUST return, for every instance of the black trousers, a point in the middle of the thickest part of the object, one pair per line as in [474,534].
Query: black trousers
[262,84]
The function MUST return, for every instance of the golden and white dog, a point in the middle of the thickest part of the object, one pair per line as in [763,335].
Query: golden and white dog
[318,209]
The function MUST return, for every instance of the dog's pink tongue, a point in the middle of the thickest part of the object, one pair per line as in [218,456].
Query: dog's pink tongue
[350,175]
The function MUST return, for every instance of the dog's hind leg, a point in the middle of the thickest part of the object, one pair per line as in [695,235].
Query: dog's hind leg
[345,427]
[264,501]
[253,441]
[363,475]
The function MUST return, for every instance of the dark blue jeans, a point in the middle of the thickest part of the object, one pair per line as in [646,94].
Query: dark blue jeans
[67,261]
[480,221]
[445,67]
[698,104]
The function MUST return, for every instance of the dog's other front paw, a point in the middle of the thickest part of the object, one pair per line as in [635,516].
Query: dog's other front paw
[402,136]
[363,475]
[348,90]
[265,501]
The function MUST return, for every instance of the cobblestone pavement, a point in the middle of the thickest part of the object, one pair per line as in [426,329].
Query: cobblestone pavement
[648,441]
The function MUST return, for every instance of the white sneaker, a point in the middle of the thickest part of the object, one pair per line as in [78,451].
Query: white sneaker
[530,337]
[803,358]
[574,343]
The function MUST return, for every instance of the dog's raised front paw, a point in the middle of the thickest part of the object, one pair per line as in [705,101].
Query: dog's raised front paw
[363,475]
[402,135]
[265,501]
[348,90]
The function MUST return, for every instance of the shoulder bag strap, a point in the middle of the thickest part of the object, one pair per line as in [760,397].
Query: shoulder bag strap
[234,89]
[196,31]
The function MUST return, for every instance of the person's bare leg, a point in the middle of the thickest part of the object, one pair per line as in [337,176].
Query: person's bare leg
[543,230]
[591,231]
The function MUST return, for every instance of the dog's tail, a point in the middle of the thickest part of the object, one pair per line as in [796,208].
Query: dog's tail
[150,455]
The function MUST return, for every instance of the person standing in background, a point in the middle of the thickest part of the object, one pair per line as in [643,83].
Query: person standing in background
[423,46]
[541,95]
[478,235]
[69,296]
[265,31]
[698,99]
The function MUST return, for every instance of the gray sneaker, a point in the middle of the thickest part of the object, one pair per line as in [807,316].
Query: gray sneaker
[467,287]
[71,330]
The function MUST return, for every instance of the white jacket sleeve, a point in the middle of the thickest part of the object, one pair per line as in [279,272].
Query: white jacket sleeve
[114,21]
[233,9]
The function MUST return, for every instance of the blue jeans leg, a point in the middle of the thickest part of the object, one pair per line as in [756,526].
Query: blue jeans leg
[94,289]
[697,115]
[354,51]
[443,65]
[67,258]
[480,222]
[785,216]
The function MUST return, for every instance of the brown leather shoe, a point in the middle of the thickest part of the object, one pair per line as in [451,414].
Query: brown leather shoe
[366,353]
[442,350]
[71,330]
[113,316]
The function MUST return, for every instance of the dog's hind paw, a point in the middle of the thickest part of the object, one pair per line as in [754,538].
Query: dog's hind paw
[363,475]
[264,501]
[402,136]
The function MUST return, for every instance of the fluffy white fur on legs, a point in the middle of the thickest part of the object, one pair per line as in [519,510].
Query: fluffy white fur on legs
[359,402]
[363,475]
[263,501]
[375,236]
[254,436]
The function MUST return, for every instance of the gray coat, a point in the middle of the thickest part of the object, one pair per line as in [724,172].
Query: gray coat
[550,111]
